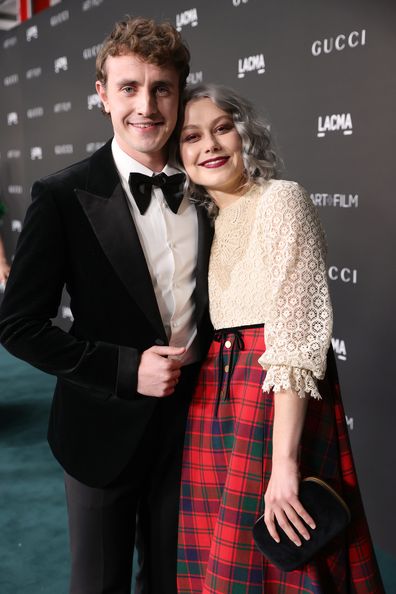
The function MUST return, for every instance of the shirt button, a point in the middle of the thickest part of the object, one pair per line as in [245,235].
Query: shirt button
[227,344]
[227,368]
[175,324]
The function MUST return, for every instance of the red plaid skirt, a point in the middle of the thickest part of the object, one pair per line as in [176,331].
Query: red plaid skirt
[226,469]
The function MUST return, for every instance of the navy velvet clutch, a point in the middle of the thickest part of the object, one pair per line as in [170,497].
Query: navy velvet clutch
[331,516]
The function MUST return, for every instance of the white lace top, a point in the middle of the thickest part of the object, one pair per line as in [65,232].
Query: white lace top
[267,266]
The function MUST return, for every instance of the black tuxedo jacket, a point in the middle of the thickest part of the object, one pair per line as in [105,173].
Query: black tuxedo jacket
[79,232]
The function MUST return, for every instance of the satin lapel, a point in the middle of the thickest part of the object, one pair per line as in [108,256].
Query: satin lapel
[205,236]
[115,230]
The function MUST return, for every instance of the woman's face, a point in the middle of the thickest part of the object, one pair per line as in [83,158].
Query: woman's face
[211,148]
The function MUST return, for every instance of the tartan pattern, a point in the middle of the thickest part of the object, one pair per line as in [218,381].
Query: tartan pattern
[226,467]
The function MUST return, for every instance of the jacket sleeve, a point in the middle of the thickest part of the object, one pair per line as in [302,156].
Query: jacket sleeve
[32,297]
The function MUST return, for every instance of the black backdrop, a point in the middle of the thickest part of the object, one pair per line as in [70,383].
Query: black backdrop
[324,75]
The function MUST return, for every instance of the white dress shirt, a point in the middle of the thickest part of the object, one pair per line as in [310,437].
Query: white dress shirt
[170,245]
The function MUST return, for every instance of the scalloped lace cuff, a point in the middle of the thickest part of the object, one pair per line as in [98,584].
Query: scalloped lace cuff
[281,377]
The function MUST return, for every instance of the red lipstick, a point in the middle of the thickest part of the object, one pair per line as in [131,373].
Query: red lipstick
[214,162]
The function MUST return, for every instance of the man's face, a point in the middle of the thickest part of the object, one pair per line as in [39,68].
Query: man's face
[142,100]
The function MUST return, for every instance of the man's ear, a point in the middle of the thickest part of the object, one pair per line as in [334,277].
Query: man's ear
[101,91]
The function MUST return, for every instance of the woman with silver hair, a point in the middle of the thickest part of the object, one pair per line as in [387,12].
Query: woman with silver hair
[267,410]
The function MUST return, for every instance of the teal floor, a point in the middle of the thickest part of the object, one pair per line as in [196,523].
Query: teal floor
[33,522]
[34,557]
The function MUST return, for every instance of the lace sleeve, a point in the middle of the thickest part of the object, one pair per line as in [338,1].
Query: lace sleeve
[299,321]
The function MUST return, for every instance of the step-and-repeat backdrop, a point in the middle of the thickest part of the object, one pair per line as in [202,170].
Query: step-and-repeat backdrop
[324,75]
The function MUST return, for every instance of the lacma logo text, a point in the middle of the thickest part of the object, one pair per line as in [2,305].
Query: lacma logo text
[12,118]
[339,348]
[60,64]
[340,122]
[32,33]
[251,64]
[36,152]
[94,101]
[188,17]
[16,225]
[350,422]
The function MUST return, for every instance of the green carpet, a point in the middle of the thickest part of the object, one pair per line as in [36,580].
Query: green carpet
[34,556]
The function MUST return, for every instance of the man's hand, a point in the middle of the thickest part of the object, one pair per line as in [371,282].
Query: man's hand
[158,373]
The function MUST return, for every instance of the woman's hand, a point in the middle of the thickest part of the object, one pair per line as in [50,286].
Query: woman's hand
[282,503]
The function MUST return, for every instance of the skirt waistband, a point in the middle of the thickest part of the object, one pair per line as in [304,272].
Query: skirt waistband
[236,345]
[234,328]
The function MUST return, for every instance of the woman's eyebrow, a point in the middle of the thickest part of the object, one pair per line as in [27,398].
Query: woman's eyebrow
[190,126]
[214,122]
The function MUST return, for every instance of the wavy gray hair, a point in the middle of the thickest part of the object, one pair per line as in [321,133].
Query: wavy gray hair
[259,157]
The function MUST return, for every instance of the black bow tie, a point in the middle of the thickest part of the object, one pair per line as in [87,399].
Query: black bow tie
[172,187]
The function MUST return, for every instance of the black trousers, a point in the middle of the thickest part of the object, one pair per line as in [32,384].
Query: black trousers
[141,505]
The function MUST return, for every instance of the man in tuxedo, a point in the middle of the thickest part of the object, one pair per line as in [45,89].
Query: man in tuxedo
[133,255]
